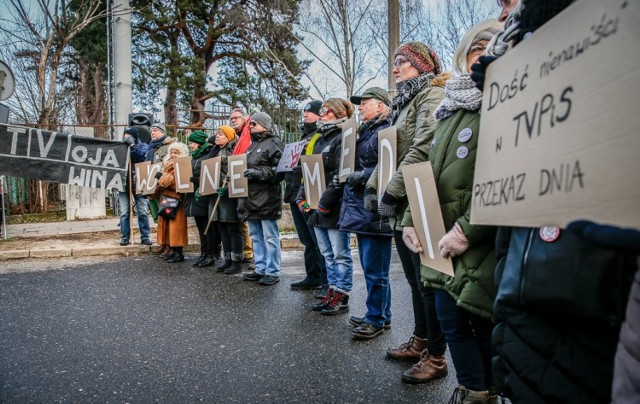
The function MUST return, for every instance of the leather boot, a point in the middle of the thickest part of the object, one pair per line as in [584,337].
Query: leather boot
[410,350]
[427,369]
[199,260]
[476,397]
[235,268]
[208,261]
[159,249]
[226,264]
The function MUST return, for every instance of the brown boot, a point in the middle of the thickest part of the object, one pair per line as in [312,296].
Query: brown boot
[159,249]
[462,395]
[409,350]
[429,368]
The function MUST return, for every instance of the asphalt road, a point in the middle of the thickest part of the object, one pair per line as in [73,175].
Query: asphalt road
[138,330]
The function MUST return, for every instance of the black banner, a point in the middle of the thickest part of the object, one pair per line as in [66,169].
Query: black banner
[59,157]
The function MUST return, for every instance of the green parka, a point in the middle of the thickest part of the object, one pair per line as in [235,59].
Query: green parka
[453,156]
[415,127]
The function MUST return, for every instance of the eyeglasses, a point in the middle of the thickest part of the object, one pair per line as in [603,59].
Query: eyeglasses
[477,50]
[253,123]
[324,111]
[399,62]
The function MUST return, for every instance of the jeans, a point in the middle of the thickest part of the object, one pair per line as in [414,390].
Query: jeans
[469,338]
[334,246]
[232,240]
[125,220]
[375,258]
[423,300]
[313,259]
[266,246]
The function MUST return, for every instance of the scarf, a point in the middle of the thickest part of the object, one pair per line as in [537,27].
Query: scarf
[407,90]
[460,92]
[155,143]
[326,127]
[200,150]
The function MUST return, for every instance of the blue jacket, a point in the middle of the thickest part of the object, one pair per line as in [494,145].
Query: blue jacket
[138,154]
[353,216]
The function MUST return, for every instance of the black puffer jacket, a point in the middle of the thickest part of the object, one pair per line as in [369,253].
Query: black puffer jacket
[558,313]
[227,207]
[265,196]
[293,179]
[328,145]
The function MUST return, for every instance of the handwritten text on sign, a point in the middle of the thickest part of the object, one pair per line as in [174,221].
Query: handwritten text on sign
[290,156]
[558,138]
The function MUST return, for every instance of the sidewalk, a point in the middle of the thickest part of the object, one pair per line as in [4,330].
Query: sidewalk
[87,238]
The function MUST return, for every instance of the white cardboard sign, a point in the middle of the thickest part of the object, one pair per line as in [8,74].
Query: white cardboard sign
[313,177]
[559,137]
[238,183]
[426,214]
[387,157]
[184,171]
[146,180]
[290,156]
[210,175]
[348,148]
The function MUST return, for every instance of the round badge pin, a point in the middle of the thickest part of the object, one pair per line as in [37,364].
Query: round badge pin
[549,234]
[258,151]
[464,135]
[462,152]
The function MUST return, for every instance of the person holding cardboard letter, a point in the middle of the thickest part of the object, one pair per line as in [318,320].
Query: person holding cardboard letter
[372,230]
[419,82]
[464,303]
[263,207]
[172,231]
[333,243]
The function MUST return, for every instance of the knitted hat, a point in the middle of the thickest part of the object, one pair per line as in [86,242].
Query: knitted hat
[263,119]
[228,131]
[313,107]
[198,137]
[341,108]
[420,56]
[160,127]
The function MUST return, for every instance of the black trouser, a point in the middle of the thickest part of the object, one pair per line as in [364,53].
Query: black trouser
[232,239]
[313,260]
[210,241]
[423,300]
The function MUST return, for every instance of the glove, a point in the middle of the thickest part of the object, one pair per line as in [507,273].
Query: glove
[479,69]
[454,243]
[303,206]
[158,175]
[355,179]
[323,210]
[388,205]
[222,191]
[604,236]
[129,141]
[192,180]
[197,195]
[371,199]
[410,238]
[252,174]
[336,180]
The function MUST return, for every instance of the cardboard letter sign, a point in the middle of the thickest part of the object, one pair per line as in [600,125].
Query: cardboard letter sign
[313,177]
[210,175]
[559,130]
[146,180]
[290,156]
[426,214]
[184,172]
[238,183]
[387,157]
[348,149]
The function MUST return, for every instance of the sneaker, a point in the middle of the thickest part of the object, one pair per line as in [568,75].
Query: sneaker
[269,280]
[146,241]
[339,304]
[124,241]
[429,368]
[319,306]
[357,322]
[322,292]
[252,277]
[305,284]
[410,350]
[366,331]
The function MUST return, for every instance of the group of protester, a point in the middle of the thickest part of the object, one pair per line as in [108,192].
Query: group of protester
[530,314]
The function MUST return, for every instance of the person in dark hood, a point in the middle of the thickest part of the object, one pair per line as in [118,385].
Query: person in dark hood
[158,147]
[263,207]
[313,259]
[138,153]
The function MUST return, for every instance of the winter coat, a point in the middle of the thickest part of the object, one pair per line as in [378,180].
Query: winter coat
[626,388]
[172,232]
[328,145]
[227,207]
[195,207]
[293,179]
[353,216]
[265,196]
[158,151]
[558,312]
[415,127]
[472,286]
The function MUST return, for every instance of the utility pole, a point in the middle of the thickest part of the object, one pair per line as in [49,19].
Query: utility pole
[122,83]
[394,41]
